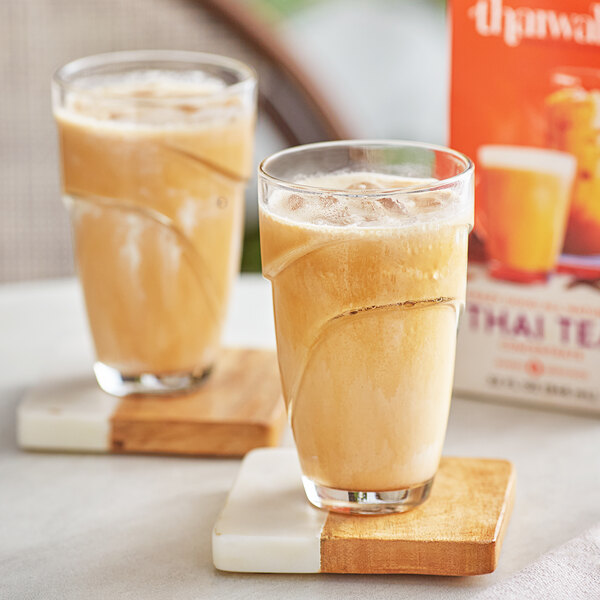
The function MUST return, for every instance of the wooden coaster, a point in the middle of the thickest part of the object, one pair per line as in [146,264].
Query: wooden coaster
[238,408]
[268,526]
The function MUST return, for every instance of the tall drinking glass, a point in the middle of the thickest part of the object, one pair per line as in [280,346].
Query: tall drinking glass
[523,208]
[573,113]
[155,151]
[365,244]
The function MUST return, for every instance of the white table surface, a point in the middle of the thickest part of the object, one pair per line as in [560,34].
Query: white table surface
[99,526]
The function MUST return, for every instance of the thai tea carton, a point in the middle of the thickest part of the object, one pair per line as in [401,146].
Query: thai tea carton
[525,106]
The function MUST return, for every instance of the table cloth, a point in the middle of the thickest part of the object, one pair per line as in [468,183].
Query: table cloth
[100,526]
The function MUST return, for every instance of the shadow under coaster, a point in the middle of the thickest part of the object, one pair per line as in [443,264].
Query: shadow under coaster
[238,408]
[268,526]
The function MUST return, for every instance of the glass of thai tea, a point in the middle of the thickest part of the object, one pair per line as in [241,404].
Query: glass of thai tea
[155,151]
[365,244]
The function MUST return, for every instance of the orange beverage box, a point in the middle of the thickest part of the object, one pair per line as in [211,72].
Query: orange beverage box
[525,106]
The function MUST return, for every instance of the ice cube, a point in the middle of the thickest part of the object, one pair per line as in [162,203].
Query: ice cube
[327,201]
[187,108]
[142,93]
[295,201]
[371,209]
[393,206]
[339,217]
[434,201]
[363,185]
[431,201]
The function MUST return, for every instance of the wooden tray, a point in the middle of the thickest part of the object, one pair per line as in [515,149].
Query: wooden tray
[238,408]
[268,526]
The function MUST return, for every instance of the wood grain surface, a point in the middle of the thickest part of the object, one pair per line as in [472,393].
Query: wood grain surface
[457,531]
[238,408]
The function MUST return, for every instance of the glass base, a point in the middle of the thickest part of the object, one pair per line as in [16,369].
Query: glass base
[116,383]
[366,503]
[499,271]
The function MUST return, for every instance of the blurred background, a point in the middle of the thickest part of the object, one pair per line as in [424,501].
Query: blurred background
[327,69]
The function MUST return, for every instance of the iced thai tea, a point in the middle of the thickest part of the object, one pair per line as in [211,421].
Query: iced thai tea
[573,113]
[368,270]
[155,154]
[523,208]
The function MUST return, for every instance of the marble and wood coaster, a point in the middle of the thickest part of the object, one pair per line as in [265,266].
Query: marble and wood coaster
[268,526]
[238,408]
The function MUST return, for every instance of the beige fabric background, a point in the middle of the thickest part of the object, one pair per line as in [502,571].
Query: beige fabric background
[36,37]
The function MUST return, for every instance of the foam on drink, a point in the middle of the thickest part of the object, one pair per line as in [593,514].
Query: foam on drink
[150,99]
[523,158]
[363,199]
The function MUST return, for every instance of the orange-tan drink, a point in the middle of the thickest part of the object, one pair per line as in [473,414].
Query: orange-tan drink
[155,152]
[523,209]
[573,113]
[365,244]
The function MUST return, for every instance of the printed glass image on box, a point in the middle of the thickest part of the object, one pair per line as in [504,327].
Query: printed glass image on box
[155,153]
[365,244]
[523,205]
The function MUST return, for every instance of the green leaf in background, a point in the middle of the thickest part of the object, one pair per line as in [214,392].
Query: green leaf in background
[251,254]
[275,10]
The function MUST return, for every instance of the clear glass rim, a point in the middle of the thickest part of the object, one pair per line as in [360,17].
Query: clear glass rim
[65,77]
[467,163]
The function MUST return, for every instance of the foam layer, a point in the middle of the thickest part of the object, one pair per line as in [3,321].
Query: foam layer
[576,96]
[524,158]
[150,83]
[149,98]
[351,199]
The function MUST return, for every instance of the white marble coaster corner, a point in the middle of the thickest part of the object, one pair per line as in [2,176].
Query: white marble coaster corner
[70,414]
[267,525]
